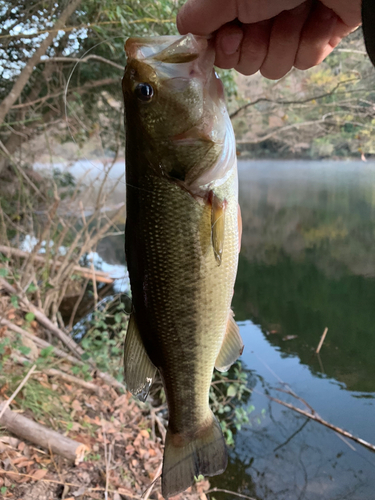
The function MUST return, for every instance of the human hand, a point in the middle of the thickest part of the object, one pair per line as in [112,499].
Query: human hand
[270,35]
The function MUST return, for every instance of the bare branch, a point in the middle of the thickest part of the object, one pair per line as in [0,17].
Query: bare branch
[80,90]
[83,60]
[301,101]
[28,69]
[320,420]
[282,129]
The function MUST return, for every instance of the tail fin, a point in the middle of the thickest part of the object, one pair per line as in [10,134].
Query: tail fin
[206,455]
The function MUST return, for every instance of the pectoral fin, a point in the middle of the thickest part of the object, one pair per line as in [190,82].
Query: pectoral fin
[139,372]
[217,226]
[231,348]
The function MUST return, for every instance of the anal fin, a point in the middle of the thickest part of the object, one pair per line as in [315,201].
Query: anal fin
[218,226]
[231,348]
[139,372]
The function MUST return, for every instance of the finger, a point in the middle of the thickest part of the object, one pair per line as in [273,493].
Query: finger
[284,41]
[349,11]
[340,31]
[203,17]
[254,47]
[253,11]
[315,39]
[227,43]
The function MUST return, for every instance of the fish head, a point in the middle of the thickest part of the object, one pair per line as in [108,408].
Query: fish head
[174,103]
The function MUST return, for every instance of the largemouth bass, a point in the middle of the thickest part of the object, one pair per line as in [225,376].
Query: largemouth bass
[181,243]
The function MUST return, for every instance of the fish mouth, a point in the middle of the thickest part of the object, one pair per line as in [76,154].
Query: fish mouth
[188,56]
[166,48]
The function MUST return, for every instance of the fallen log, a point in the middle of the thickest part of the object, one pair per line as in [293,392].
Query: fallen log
[42,436]
[101,276]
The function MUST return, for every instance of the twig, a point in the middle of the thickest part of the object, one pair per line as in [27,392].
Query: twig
[41,343]
[79,90]
[101,276]
[43,320]
[83,60]
[8,402]
[151,487]
[94,283]
[106,460]
[55,481]
[159,422]
[293,435]
[52,372]
[76,305]
[291,393]
[241,495]
[321,341]
[301,101]
[318,419]
[313,415]
[106,377]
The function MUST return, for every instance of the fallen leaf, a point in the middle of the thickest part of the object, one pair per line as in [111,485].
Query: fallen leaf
[18,460]
[39,474]
[21,446]
[76,405]
[30,344]
[121,400]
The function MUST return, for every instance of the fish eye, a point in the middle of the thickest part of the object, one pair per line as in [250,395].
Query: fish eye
[144,92]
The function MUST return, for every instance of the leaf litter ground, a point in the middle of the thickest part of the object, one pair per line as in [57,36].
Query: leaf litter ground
[125,445]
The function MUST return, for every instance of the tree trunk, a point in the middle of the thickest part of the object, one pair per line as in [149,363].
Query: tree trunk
[25,74]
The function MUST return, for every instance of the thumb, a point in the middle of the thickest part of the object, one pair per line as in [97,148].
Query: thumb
[202,17]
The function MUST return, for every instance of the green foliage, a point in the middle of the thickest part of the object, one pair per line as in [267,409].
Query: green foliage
[14,301]
[94,98]
[29,317]
[41,400]
[4,272]
[229,392]
[105,334]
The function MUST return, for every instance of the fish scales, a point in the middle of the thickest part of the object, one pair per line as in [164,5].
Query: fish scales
[187,295]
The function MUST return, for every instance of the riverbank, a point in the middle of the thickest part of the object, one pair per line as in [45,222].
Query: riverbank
[120,441]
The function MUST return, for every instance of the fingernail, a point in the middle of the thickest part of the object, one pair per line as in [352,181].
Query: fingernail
[230,43]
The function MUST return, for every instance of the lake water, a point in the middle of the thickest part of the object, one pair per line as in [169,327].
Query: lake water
[307,262]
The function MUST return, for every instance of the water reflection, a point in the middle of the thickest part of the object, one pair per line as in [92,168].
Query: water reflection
[307,262]
[287,457]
